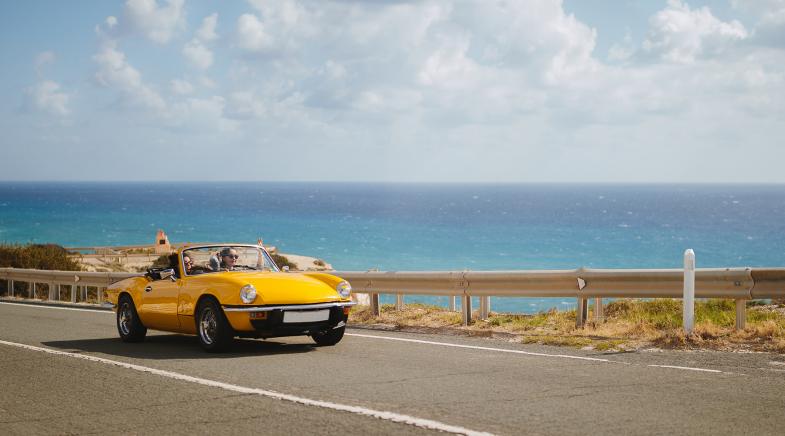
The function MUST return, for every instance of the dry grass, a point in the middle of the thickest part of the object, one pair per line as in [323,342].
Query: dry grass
[628,324]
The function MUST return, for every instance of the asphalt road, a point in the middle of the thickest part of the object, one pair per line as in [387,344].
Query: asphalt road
[66,372]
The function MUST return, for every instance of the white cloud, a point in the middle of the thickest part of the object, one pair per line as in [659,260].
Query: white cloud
[157,23]
[251,33]
[181,87]
[111,21]
[43,59]
[198,54]
[207,32]
[114,71]
[48,97]
[680,34]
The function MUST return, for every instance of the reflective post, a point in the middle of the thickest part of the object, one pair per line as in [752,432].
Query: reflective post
[688,306]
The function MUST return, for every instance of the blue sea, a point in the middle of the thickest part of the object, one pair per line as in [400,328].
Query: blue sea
[361,226]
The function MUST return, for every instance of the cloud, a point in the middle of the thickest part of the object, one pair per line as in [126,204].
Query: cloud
[680,34]
[158,23]
[196,51]
[181,87]
[46,96]
[42,60]
[251,34]
[198,54]
[114,71]
[206,32]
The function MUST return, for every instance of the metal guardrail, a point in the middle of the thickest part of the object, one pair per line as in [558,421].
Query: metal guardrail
[739,284]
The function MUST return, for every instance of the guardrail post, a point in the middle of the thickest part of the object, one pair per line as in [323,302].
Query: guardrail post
[73,293]
[741,314]
[581,312]
[31,288]
[451,303]
[51,291]
[598,309]
[485,307]
[398,301]
[11,287]
[467,310]
[688,304]
[375,308]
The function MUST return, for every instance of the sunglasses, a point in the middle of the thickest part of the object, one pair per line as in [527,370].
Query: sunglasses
[233,256]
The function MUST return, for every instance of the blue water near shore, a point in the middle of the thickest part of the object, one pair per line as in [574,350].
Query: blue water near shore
[358,226]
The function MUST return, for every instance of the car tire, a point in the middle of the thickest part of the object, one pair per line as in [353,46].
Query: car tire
[129,326]
[329,337]
[213,329]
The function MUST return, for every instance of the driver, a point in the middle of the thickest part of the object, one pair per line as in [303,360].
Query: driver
[228,258]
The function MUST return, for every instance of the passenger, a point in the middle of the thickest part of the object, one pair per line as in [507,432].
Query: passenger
[228,258]
[188,263]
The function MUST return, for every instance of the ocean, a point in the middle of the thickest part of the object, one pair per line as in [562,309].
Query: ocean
[418,227]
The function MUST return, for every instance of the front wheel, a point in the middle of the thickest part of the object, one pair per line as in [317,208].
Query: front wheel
[215,333]
[129,325]
[328,337]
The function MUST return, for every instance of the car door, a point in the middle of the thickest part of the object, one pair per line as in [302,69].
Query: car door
[158,308]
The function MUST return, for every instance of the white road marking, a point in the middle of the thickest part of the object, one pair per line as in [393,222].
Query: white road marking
[57,307]
[443,344]
[688,368]
[475,347]
[384,415]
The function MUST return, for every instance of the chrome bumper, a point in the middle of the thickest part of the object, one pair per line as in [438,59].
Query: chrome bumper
[289,307]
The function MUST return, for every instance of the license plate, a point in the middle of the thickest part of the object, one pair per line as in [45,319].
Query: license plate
[309,316]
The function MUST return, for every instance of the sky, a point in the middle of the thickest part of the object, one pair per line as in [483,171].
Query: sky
[602,91]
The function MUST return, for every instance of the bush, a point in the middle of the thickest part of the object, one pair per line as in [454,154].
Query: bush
[37,256]
[282,261]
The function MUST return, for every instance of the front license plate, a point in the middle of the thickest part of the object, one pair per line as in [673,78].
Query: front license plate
[310,316]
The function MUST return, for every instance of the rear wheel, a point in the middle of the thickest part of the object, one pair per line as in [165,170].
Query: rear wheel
[215,333]
[128,324]
[328,337]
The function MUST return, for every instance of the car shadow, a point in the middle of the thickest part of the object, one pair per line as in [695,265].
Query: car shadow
[178,347]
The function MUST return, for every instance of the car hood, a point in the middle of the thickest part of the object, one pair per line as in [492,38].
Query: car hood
[282,288]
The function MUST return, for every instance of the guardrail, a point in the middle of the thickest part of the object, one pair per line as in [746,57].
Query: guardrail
[740,284]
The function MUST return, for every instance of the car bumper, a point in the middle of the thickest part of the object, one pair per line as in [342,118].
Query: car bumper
[269,321]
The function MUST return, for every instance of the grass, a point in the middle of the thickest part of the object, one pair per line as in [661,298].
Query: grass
[628,324]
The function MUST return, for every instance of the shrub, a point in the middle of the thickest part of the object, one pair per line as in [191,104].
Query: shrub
[282,261]
[37,256]
[318,262]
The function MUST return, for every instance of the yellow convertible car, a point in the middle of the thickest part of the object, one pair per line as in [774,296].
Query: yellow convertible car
[221,291]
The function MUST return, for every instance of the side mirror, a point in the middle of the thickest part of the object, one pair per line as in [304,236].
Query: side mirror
[285,268]
[167,274]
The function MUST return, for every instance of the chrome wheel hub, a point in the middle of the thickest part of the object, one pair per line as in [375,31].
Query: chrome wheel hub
[207,326]
[124,317]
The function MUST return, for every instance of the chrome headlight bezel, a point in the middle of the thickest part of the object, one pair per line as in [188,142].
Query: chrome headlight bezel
[248,294]
[344,289]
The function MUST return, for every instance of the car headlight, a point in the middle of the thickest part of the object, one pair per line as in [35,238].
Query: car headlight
[344,289]
[248,294]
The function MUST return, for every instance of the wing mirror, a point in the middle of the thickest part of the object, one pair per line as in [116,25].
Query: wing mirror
[285,268]
[167,274]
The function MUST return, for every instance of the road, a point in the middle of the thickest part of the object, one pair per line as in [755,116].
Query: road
[65,371]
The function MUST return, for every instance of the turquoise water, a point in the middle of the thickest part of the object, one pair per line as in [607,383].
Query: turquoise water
[421,226]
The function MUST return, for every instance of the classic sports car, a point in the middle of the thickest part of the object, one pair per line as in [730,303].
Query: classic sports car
[222,291]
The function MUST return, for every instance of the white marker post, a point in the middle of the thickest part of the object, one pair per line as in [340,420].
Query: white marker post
[688,307]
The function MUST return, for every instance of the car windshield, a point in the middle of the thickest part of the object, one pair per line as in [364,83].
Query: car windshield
[202,260]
